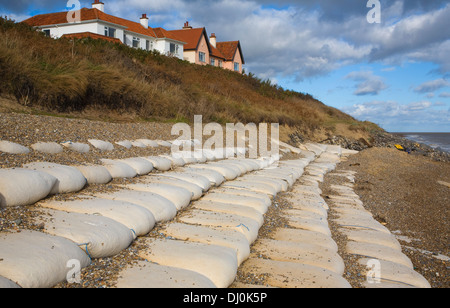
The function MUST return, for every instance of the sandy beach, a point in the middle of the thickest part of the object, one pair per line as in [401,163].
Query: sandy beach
[409,194]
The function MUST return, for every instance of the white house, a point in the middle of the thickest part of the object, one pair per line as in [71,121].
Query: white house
[95,23]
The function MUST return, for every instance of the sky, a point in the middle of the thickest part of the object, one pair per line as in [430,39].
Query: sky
[384,61]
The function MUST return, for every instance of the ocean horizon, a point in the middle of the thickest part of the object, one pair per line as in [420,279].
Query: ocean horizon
[435,140]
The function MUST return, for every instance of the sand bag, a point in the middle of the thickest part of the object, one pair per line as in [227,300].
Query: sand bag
[37,260]
[176,162]
[101,145]
[98,236]
[223,237]
[230,208]
[161,208]
[197,179]
[245,225]
[13,148]
[140,165]
[70,179]
[125,143]
[47,147]
[180,197]
[76,146]
[227,172]
[138,144]
[148,143]
[137,218]
[217,263]
[257,203]
[215,177]
[118,169]
[253,186]
[263,198]
[95,174]
[194,189]
[149,275]
[7,284]
[20,187]
[159,162]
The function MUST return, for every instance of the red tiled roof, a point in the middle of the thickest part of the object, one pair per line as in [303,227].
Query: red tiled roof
[163,33]
[228,49]
[191,37]
[216,53]
[87,15]
[91,35]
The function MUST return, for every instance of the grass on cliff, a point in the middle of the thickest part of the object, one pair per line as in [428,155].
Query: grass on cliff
[64,76]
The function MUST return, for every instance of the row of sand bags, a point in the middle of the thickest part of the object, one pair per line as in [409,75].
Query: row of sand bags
[35,181]
[56,148]
[208,242]
[104,224]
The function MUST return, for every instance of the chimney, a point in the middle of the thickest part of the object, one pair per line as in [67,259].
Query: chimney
[144,21]
[98,5]
[213,40]
[187,26]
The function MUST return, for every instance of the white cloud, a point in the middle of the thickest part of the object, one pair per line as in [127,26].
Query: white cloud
[368,83]
[431,86]
[403,117]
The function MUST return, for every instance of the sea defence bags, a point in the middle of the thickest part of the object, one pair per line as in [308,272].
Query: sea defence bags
[138,219]
[37,260]
[47,147]
[217,263]
[13,148]
[98,236]
[181,197]
[20,187]
[7,284]
[196,190]
[161,208]
[118,169]
[76,146]
[140,165]
[223,237]
[70,179]
[145,274]
[95,174]
[197,179]
[101,145]
[160,163]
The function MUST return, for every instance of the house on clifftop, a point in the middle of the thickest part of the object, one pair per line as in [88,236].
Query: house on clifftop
[188,43]
[200,49]
[95,23]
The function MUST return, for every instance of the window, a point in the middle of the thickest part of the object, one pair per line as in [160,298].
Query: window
[236,66]
[46,32]
[213,62]
[110,32]
[173,48]
[220,63]
[202,57]
[136,42]
[147,44]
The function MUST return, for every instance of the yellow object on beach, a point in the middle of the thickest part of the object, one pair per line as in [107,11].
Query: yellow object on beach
[399,147]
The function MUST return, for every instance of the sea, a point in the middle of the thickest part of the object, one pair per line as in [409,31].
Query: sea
[435,140]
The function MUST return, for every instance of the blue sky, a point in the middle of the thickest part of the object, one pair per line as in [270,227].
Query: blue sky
[395,73]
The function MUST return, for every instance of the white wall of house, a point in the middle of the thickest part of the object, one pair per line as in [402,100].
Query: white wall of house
[164,47]
[126,37]
[58,31]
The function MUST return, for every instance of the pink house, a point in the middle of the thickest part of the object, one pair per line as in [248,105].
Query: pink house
[200,49]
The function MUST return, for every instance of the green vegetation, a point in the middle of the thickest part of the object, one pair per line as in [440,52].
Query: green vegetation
[65,76]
